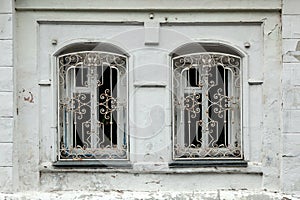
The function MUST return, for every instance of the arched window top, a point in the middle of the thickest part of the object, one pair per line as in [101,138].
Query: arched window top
[92,102]
[92,46]
[207,59]
[206,86]
[93,59]
[92,54]
[202,47]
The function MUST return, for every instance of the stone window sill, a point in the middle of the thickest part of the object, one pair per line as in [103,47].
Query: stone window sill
[92,164]
[207,163]
[165,168]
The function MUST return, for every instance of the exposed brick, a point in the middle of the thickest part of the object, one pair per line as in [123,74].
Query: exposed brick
[291,121]
[6,130]
[6,150]
[6,26]
[6,6]
[6,104]
[6,79]
[5,179]
[6,53]
[291,7]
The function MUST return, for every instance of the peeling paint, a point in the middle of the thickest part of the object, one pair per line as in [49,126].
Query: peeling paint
[128,195]
[150,178]
[29,98]
[156,182]
[27,95]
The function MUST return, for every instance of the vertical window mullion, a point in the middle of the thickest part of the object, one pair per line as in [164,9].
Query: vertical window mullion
[94,101]
[69,112]
[111,113]
[205,108]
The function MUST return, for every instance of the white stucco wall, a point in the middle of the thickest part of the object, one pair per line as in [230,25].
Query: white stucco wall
[291,96]
[274,109]
[6,94]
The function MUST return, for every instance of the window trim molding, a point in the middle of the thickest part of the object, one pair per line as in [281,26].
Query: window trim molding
[54,93]
[244,117]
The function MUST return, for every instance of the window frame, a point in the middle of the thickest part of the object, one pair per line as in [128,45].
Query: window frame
[55,76]
[244,109]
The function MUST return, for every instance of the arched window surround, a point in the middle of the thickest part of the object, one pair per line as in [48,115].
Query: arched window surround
[203,145]
[100,80]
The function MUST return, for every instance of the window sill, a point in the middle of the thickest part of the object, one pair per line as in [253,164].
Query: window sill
[126,167]
[207,163]
[92,164]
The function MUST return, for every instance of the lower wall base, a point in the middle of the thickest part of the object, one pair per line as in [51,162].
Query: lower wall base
[210,195]
[140,182]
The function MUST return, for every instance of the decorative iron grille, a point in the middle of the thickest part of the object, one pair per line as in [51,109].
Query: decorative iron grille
[206,106]
[92,101]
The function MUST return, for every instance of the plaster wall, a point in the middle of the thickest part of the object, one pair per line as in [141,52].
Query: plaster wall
[263,157]
[273,108]
[6,94]
[291,100]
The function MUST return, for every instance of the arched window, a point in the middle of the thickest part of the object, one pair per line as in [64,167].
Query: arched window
[92,102]
[206,102]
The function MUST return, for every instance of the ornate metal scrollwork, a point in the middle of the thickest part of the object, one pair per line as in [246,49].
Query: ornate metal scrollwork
[91,106]
[206,106]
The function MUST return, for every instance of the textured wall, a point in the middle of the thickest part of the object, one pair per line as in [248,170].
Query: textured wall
[6,94]
[279,128]
[291,96]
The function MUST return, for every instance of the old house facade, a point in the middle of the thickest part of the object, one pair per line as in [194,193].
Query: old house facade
[149,99]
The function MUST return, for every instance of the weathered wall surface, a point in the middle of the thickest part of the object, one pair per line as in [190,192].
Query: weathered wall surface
[177,195]
[274,108]
[6,94]
[43,23]
[291,96]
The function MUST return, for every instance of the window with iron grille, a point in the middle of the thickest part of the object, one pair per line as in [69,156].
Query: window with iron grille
[92,102]
[206,105]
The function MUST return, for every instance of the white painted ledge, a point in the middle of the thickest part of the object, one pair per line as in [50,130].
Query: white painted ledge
[252,168]
[144,5]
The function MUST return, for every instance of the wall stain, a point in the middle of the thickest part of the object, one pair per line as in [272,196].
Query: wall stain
[27,96]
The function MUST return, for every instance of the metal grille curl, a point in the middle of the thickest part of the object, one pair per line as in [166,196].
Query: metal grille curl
[92,101]
[206,106]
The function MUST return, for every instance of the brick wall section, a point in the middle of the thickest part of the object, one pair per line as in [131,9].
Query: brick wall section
[6,94]
[291,96]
